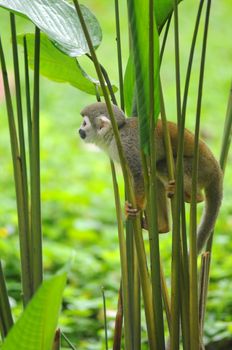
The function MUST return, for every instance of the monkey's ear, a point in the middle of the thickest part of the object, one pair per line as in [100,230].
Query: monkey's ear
[103,121]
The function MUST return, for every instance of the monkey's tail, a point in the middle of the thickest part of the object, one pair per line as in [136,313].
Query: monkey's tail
[213,199]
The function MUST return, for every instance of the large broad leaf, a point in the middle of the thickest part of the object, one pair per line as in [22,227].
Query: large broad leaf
[139,25]
[163,9]
[35,329]
[59,20]
[59,67]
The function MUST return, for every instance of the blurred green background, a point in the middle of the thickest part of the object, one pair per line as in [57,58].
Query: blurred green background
[79,223]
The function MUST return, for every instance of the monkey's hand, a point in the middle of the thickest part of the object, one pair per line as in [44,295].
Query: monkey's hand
[131,212]
[171,188]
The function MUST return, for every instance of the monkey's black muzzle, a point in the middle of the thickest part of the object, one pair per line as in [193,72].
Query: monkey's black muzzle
[82,133]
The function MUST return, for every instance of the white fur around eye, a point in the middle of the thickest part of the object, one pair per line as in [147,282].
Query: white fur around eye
[86,121]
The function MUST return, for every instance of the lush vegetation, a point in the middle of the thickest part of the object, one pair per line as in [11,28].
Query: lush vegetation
[78,209]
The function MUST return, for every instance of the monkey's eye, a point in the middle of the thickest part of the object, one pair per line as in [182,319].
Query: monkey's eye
[84,123]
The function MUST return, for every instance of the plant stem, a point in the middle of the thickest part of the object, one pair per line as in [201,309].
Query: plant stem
[119,51]
[35,174]
[175,271]
[5,310]
[165,38]
[203,289]
[68,342]
[24,244]
[124,268]
[105,318]
[153,229]
[118,322]
[194,314]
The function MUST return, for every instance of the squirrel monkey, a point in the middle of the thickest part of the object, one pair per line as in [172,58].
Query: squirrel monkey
[96,128]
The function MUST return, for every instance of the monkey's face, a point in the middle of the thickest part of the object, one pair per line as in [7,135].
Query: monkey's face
[94,130]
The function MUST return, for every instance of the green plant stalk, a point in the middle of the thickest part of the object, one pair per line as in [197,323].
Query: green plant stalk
[124,269]
[166,298]
[108,83]
[203,289]
[143,270]
[24,244]
[175,269]
[21,132]
[28,98]
[194,312]
[153,229]
[35,175]
[105,318]
[165,38]
[170,165]
[118,322]
[133,287]
[119,51]
[184,294]
[5,310]
[184,257]
[226,141]
[68,342]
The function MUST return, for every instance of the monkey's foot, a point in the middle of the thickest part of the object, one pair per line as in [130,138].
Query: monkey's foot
[130,211]
[171,188]
[144,223]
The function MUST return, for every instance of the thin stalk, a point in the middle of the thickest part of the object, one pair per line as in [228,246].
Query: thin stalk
[21,131]
[118,322]
[143,270]
[35,174]
[184,280]
[68,341]
[105,318]
[24,244]
[175,270]
[133,287]
[194,312]
[184,256]
[108,83]
[226,141]
[119,52]
[165,38]
[5,310]
[28,97]
[166,298]
[20,120]
[124,268]
[153,229]
[203,289]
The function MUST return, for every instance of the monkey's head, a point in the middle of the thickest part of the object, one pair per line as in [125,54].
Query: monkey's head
[96,122]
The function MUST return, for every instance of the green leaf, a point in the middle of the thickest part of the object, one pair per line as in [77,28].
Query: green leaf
[59,67]
[35,329]
[139,25]
[58,19]
[163,9]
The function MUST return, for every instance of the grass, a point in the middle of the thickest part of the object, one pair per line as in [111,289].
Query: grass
[78,206]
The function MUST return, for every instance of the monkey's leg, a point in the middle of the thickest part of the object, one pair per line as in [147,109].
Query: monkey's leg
[188,162]
[170,185]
